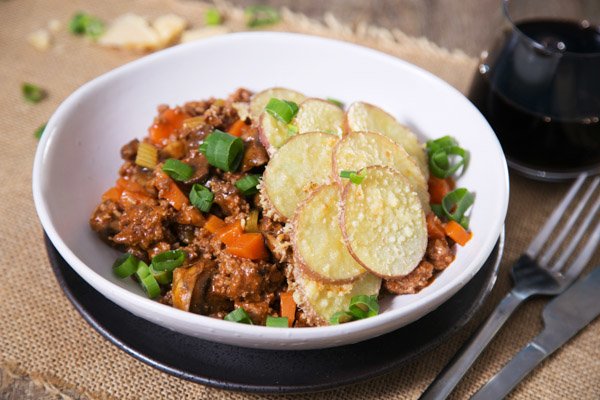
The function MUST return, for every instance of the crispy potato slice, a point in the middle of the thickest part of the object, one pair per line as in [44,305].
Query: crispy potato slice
[260,99]
[320,300]
[316,115]
[367,117]
[317,239]
[272,133]
[298,167]
[358,150]
[383,223]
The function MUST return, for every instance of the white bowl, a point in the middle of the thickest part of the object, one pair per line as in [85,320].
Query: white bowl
[78,158]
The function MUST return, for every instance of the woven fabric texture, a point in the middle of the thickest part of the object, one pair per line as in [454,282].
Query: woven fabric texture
[44,338]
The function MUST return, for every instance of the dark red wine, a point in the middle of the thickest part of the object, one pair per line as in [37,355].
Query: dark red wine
[539,88]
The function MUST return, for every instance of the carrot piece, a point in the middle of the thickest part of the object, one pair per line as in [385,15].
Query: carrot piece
[230,233]
[114,194]
[457,233]
[288,307]
[248,245]
[438,188]
[130,185]
[166,124]
[435,228]
[237,128]
[173,195]
[130,198]
[214,223]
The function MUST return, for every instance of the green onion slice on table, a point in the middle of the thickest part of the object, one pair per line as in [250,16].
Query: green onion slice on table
[147,280]
[277,322]
[223,150]
[39,131]
[247,185]
[238,315]
[283,110]
[201,197]
[455,204]
[363,306]
[212,17]
[261,15]
[168,260]
[86,24]
[177,169]
[446,157]
[32,93]
[125,265]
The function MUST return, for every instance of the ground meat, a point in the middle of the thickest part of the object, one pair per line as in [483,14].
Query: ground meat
[240,95]
[227,197]
[144,225]
[129,151]
[105,219]
[412,283]
[257,311]
[197,161]
[435,228]
[439,254]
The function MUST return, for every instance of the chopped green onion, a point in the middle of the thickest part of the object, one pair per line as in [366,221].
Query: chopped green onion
[238,315]
[354,177]
[223,150]
[212,17]
[340,317]
[261,15]
[292,129]
[441,144]
[438,210]
[168,260]
[162,277]
[336,102]
[456,203]
[247,185]
[201,197]
[277,322]
[86,24]
[39,131]
[125,265]
[283,110]
[439,152]
[147,280]
[33,93]
[178,170]
[363,306]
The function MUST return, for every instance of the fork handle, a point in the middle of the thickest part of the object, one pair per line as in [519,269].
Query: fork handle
[447,380]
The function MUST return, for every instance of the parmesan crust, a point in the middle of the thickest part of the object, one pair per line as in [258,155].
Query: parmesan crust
[316,115]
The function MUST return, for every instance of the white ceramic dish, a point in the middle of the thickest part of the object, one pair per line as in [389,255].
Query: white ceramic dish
[78,158]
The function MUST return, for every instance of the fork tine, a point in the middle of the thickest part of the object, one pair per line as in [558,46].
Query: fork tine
[585,255]
[545,259]
[591,244]
[538,242]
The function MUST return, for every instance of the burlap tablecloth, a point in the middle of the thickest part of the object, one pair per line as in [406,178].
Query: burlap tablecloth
[43,338]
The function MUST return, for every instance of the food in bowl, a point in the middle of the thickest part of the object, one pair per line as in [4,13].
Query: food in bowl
[281,210]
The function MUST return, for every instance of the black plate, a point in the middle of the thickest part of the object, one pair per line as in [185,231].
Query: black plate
[272,371]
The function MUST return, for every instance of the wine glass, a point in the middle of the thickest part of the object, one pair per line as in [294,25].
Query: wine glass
[539,87]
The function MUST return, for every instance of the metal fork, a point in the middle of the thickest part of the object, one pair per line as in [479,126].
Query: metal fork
[532,275]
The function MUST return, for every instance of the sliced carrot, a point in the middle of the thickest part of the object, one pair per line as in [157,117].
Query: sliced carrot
[166,124]
[130,185]
[237,128]
[114,194]
[457,233]
[288,307]
[438,188]
[214,223]
[248,245]
[173,195]
[435,228]
[129,198]
[230,233]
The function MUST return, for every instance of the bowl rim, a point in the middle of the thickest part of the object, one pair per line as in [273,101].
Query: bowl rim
[374,324]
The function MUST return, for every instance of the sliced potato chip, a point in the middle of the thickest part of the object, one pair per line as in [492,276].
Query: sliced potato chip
[131,31]
[169,28]
[297,168]
[316,115]
[367,117]
[260,99]
[317,238]
[272,132]
[358,150]
[383,223]
[320,301]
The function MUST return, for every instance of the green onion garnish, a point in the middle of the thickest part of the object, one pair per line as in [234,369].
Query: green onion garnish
[247,185]
[283,110]
[201,197]
[336,102]
[33,93]
[292,129]
[125,265]
[148,282]
[39,131]
[238,315]
[340,317]
[162,277]
[363,306]
[86,24]
[456,203]
[168,260]
[212,17]
[277,322]
[354,177]
[261,15]
[440,151]
[178,170]
[223,150]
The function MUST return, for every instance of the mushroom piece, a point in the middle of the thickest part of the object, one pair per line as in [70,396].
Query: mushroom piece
[190,284]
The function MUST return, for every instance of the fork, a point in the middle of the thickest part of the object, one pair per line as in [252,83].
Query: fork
[532,274]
